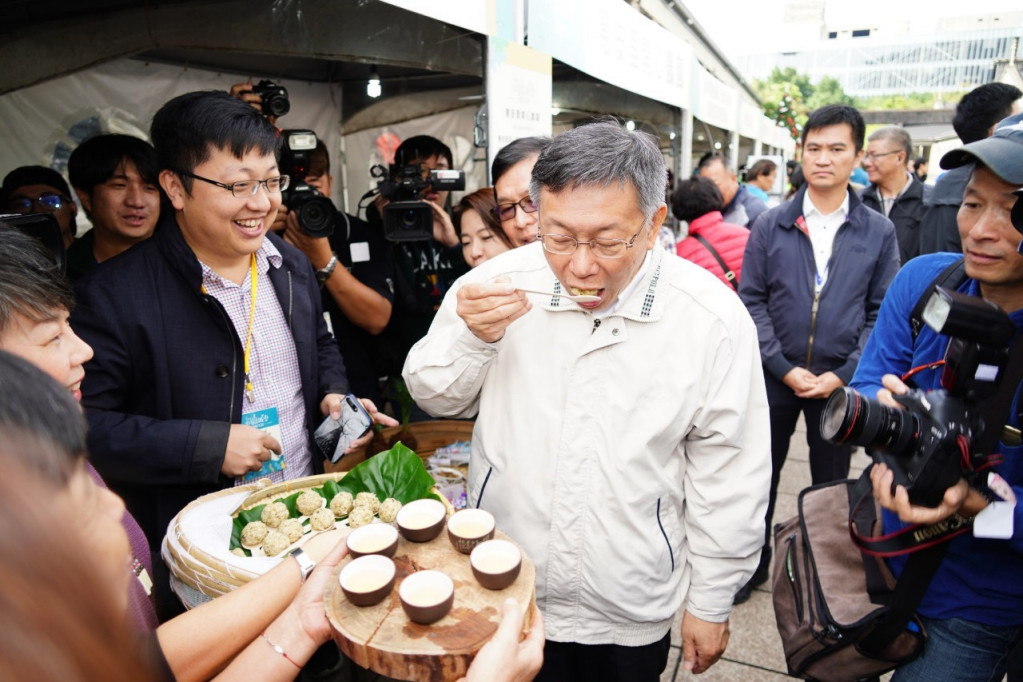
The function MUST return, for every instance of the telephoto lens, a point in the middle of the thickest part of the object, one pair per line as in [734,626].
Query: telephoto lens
[849,417]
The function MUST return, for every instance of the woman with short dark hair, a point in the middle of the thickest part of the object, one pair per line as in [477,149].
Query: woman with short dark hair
[712,244]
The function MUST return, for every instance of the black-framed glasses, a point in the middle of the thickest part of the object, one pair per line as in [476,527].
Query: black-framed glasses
[876,155]
[563,245]
[247,188]
[506,211]
[48,202]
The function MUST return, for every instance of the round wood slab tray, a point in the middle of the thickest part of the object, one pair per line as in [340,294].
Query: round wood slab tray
[383,639]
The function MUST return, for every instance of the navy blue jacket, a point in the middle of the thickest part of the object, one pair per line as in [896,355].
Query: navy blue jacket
[165,383]
[778,281]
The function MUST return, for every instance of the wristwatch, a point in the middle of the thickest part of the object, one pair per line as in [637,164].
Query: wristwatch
[305,564]
[323,275]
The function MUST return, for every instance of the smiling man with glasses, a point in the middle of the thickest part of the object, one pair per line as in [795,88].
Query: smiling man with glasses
[38,189]
[893,190]
[622,442]
[212,358]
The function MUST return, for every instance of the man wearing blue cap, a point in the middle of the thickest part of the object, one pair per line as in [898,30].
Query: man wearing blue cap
[973,608]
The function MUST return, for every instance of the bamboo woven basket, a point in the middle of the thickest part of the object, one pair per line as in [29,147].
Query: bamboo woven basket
[198,576]
[206,574]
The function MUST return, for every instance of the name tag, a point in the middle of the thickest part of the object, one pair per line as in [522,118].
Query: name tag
[268,422]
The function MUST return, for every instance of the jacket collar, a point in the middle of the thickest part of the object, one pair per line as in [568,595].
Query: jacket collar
[707,219]
[645,303]
[186,264]
[791,214]
[914,190]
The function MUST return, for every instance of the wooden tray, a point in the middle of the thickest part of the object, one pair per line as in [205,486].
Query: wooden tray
[383,639]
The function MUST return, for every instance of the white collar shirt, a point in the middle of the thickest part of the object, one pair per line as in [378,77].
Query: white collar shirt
[821,228]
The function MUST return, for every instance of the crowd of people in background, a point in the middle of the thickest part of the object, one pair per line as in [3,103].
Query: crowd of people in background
[197,302]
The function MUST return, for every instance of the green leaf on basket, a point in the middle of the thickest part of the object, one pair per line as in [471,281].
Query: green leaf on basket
[397,473]
[328,490]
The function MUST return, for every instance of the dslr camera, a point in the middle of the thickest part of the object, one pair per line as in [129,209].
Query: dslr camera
[315,213]
[406,218]
[44,227]
[929,445]
[274,96]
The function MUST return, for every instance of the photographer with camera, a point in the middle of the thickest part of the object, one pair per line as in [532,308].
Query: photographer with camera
[412,213]
[973,607]
[353,261]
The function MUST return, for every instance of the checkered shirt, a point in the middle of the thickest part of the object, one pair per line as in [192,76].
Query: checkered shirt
[273,363]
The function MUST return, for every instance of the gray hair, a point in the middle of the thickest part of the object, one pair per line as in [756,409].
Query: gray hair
[603,153]
[31,285]
[896,134]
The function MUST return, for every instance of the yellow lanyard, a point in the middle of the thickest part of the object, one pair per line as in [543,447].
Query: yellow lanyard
[250,392]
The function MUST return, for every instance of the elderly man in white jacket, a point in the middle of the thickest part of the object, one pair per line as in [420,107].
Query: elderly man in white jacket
[623,441]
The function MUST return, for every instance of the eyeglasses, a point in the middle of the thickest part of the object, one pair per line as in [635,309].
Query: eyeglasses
[876,155]
[563,245]
[247,188]
[48,202]
[506,211]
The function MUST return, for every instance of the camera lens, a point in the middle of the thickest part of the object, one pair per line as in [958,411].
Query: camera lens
[849,417]
[409,219]
[316,216]
[277,106]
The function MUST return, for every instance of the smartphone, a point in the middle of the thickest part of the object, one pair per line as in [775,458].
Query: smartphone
[334,436]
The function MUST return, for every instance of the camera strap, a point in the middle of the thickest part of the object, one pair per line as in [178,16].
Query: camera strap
[993,411]
[926,546]
[910,539]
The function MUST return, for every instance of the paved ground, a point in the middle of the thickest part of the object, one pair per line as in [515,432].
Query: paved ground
[754,651]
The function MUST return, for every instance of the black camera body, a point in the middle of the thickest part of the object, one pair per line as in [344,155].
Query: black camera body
[45,228]
[928,445]
[315,213]
[274,96]
[407,218]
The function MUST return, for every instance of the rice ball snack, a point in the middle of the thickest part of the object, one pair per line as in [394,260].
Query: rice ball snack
[342,503]
[275,542]
[254,533]
[308,502]
[360,516]
[238,551]
[368,500]
[293,528]
[274,514]
[322,519]
[389,509]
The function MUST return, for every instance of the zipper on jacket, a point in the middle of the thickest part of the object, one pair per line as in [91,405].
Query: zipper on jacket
[596,323]
[813,326]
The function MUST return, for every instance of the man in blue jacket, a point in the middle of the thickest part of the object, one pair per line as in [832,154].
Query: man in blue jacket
[973,608]
[813,276]
[212,357]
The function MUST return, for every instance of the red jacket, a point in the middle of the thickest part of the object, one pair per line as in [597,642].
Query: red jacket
[727,239]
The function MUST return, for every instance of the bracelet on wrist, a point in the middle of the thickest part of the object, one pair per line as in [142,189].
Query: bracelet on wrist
[280,650]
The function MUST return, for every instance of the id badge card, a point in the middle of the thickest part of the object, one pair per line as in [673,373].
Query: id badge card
[267,421]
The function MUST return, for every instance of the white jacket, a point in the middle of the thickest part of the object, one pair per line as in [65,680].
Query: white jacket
[630,458]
